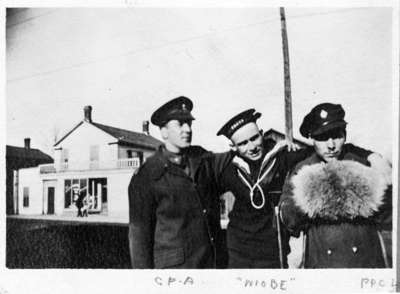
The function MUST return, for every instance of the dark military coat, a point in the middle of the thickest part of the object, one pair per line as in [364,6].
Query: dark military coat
[175,217]
[340,220]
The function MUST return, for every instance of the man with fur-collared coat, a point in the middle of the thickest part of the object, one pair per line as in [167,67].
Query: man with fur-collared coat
[336,199]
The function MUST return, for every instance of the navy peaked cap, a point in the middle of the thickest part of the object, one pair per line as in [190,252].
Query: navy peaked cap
[178,108]
[238,121]
[322,118]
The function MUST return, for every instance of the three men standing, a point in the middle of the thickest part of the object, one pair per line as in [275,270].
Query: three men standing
[174,198]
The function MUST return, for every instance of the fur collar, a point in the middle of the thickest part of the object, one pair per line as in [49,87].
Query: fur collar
[338,189]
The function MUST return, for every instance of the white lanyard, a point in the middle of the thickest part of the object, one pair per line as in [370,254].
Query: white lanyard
[257,185]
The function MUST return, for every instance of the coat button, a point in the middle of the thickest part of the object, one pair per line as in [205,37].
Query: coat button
[355,249]
[329,251]
[204,211]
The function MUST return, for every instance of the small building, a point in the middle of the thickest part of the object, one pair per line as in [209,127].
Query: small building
[17,158]
[93,161]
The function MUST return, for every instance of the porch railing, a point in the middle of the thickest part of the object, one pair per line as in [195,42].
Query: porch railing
[125,163]
[47,168]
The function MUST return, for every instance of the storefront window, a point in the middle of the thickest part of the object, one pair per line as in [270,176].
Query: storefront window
[94,189]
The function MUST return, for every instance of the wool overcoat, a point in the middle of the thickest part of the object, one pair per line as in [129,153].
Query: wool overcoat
[174,218]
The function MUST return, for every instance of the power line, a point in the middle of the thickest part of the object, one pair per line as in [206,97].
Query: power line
[27,19]
[149,48]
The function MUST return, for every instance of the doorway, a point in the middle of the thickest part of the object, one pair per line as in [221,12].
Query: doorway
[50,200]
[97,196]
[49,197]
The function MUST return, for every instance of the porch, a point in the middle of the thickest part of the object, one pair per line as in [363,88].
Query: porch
[125,163]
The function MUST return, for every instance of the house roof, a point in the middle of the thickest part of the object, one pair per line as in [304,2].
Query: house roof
[123,136]
[27,153]
[130,137]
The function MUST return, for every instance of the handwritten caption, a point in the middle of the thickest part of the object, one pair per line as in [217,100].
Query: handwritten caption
[273,284]
[173,281]
[367,283]
[373,283]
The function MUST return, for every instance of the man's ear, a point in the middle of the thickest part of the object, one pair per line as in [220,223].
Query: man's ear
[232,146]
[164,132]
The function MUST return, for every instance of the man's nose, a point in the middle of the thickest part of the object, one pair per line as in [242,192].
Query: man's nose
[251,145]
[330,143]
[186,128]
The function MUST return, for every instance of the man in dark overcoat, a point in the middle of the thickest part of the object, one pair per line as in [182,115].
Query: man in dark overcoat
[335,197]
[174,215]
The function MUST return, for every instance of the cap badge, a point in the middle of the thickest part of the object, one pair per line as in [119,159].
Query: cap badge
[323,114]
[184,107]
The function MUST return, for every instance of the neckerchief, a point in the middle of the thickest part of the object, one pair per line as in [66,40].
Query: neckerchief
[243,170]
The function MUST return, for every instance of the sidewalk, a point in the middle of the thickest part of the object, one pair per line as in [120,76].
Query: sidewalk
[91,219]
[73,219]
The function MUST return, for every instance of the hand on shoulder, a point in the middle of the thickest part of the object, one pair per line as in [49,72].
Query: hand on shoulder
[382,166]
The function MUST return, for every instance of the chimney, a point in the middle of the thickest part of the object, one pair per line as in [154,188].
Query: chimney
[88,113]
[146,127]
[27,143]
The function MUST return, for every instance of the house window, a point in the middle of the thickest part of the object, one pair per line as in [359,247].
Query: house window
[64,158]
[129,153]
[26,197]
[94,190]
[64,155]
[83,185]
[94,153]
[94,157]
[97,194]
[74,188]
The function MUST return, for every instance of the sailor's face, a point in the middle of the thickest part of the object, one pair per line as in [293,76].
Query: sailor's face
[248,142]
[329,145]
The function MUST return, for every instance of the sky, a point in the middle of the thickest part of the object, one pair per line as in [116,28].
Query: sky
[126,62]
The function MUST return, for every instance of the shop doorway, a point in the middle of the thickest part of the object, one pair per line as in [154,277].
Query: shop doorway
[50,200]
[97,196]
[49,193]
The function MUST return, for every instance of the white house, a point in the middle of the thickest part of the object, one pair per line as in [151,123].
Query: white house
[93,159]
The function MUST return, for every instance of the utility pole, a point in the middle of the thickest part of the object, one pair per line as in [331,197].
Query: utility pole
[288,116]
[286,71]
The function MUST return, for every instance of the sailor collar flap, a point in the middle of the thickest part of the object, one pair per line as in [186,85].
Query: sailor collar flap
[264,175]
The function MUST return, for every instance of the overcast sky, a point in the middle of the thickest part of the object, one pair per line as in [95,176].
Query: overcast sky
[125,62]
